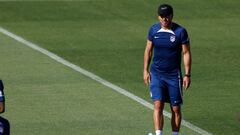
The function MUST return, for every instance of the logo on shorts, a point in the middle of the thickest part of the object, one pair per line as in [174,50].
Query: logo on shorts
[172,38]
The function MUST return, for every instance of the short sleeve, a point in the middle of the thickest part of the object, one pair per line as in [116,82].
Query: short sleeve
[184,37]
[150,34]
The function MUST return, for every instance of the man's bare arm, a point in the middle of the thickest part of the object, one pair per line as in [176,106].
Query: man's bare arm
[147,60]
[187,59]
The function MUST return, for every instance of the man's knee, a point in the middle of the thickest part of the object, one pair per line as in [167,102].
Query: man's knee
[176,110]
[158,106]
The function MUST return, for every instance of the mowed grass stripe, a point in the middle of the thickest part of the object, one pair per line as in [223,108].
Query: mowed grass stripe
[97,78]
[47,0]
[44,97]
[99,36]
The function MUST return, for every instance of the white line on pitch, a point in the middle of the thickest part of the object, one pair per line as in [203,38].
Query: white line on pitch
[96,78]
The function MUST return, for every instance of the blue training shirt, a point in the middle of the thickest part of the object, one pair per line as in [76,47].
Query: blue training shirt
[167,47]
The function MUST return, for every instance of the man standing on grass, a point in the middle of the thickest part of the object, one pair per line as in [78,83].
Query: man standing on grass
[170,42]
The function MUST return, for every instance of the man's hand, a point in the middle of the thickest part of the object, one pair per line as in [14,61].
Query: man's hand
[186,82]
[146,77]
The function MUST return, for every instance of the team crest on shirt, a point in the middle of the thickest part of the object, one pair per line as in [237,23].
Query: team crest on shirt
[172,38]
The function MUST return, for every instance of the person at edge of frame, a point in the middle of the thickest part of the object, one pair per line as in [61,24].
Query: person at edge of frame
[4,123]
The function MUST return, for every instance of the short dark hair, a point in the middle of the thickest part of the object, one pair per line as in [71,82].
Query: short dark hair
[165,10]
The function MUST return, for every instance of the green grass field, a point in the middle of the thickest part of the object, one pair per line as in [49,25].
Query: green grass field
[46,97]
[107,37]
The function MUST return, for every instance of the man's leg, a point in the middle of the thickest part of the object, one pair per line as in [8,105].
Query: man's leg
[176,119]
[158,116]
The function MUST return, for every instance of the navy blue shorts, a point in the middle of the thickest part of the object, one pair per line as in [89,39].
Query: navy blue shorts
[166,88]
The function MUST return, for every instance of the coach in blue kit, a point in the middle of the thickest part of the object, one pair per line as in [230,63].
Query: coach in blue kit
[168,42]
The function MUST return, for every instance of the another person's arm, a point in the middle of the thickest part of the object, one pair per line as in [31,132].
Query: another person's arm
[2,98]
[2,106]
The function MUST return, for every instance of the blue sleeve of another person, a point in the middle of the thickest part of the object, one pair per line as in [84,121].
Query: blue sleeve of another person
[184,37]
[2,99]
